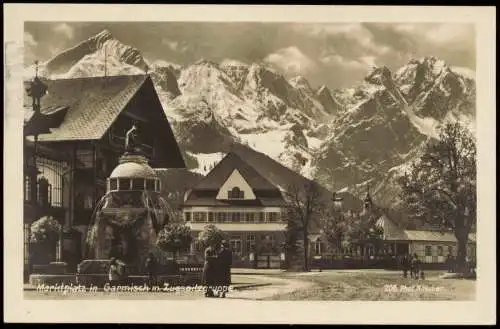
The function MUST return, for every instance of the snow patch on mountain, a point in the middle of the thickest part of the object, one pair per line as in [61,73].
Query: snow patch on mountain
[341,137]
[270,142]
[206,161]
[464,71]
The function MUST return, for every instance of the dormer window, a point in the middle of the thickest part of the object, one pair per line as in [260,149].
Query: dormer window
[235,193]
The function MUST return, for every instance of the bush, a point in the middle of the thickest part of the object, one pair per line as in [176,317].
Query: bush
[45,230]
[211,236]
[174,238]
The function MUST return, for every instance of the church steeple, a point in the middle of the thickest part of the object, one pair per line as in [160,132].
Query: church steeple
[368,203]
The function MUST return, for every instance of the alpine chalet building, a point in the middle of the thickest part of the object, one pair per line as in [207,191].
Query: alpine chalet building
[74,136]
[238,200]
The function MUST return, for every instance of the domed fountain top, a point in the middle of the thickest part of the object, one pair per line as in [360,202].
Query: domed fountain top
[133,166]
[133,172]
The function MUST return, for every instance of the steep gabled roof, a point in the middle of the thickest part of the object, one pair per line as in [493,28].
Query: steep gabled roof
[216,178]
[92,104]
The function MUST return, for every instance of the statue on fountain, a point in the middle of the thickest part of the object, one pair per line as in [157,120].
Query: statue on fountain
[132,141]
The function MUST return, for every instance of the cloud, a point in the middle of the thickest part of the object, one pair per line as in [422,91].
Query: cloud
[29,40]
[65,29]
[291,60]
[450,33]
[30,46]
[437,33]
[335,54]
[175,46]
[335,61]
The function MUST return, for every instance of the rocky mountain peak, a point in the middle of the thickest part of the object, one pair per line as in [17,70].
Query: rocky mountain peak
[99,48]
[206,62]
[102,36]
[226,63]
[300,82]
[379,75]
[326,98]
[340,138]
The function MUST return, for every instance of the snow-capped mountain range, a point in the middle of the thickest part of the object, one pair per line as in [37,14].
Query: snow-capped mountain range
[341,138]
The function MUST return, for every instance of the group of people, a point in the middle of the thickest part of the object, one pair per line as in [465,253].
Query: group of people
[217,270]
[470,264]
[413,265]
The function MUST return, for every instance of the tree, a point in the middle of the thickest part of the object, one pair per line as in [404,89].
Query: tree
[360,229]
[333,225]
[292,236]
[174,238]
[440,187]
[174,201]
[211,236]
[305,206]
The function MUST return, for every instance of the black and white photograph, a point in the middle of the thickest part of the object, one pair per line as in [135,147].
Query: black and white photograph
[250,161]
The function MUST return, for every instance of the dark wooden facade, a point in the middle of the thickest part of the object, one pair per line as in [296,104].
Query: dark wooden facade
[77,168]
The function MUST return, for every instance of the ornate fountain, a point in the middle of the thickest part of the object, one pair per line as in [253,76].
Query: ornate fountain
[126,221]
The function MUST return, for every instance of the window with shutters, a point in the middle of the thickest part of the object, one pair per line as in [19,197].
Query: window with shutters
[235,243]
[428,250]
[250,245]
[262,217]
[221,217]
[235,217]
[272,216]
[250,217]
[199,217]
[235,193]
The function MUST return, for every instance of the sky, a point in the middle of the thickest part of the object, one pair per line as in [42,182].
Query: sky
[337,55]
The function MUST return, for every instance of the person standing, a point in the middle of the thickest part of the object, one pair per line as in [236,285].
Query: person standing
[151,269]
[449,261]
[415,266]
[209,269]
[405,264]
[113,272]
[225,262]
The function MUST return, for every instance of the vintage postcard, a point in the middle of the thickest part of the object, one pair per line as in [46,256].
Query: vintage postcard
[249,164]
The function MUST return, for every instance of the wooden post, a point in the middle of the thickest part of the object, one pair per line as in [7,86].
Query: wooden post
[59,246]
[72,188]
[94,178]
